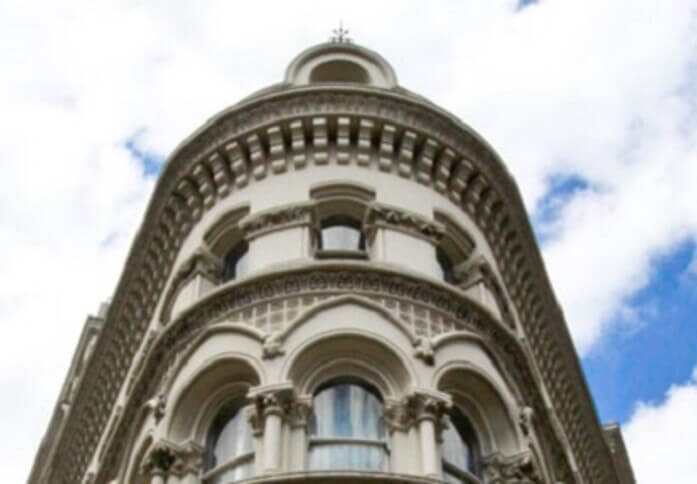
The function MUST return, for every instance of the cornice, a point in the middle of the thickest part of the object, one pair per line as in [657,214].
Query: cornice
[244,144]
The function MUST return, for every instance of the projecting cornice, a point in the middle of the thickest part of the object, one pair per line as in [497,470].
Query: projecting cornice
[306,128]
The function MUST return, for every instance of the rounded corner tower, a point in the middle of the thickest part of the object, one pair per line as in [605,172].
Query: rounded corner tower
[335,281]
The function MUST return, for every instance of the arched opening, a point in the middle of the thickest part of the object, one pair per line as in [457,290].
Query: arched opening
[236,262]
[229,452]
[460,449]
[446,265]
[347,430]
[339,71]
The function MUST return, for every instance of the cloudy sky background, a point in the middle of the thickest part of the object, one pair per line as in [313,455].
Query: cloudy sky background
[592,104]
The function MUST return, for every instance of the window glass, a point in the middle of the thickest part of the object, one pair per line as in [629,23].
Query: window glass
[446,265]
[230,442]
[236,262]
[347,431]
[459,447]
[341,233]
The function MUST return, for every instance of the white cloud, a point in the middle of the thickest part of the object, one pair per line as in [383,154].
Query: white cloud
[593,88]
[660,436]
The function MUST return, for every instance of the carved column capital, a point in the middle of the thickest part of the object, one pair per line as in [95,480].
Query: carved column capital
[270,400]
[418,405]
[160,459]
[516,469]
[189,459]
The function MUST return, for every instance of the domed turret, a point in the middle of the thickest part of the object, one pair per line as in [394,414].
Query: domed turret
[335,281]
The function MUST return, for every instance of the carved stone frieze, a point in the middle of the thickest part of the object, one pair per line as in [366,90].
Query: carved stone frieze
[395,218]
[277,219]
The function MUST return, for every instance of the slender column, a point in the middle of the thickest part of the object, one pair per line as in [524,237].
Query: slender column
[272,434]
[429,410]
[299,419]
[272,405]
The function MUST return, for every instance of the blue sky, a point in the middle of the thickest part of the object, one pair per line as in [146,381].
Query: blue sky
[591,104]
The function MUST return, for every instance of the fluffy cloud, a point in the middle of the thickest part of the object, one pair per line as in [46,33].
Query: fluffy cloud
[593,89]
[659,436]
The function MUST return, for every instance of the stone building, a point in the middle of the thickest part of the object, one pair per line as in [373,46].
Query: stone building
[335,281]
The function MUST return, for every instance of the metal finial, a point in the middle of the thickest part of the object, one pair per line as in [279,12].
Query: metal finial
[340,35]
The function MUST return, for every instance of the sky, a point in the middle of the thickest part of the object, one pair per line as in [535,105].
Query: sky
[592,105]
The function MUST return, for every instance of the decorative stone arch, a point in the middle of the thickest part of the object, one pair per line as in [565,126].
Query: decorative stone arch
[340,62]
[220,379]
[365,303]
[356,354]
[483,403]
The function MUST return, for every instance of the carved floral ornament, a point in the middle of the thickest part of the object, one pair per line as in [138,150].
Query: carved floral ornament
[466,171]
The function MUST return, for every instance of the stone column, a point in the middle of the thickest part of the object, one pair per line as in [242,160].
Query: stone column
[271,407]
[428,410]
[299,419]
[273,414]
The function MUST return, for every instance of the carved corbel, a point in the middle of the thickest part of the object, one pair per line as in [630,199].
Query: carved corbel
[272,347]
[157,406]
[525,420]
[517,469]
[424,349]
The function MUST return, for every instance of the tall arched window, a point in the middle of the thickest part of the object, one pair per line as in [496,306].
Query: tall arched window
[347,429]
[460,450]
[341,233]
[446,265]
[235,263]
[229,447]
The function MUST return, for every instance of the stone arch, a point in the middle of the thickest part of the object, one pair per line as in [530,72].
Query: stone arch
[363,341]
[362,302]
[480,399]
[340,62]
[218,380]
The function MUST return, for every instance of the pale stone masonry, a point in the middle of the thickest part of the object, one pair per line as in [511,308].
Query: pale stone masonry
[335,281]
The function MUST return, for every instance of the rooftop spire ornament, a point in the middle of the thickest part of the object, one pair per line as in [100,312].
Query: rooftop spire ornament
[340,35]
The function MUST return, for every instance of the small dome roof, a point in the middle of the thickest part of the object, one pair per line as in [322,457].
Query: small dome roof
[341,62]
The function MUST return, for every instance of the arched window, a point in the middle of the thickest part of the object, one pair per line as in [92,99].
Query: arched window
[460,450]
[229,447]
[347,428]
[235,262]
[341,234]
[446,265]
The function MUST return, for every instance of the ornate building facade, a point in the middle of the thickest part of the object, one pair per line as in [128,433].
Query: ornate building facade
[335,281]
